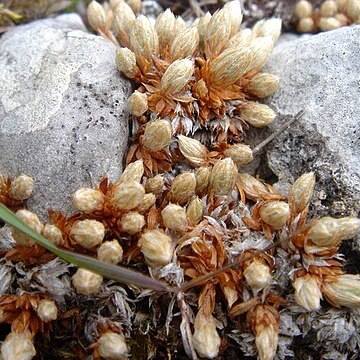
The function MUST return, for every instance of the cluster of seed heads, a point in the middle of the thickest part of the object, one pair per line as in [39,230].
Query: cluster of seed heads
[332,14]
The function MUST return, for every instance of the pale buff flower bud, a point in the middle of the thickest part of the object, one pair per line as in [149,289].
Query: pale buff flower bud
[266,341]
[127,195]
[202,25]
[185,44]
[110,252]
[194,211]
[123,20]
[47,310]
[155,184]
[236,16]
[202,176]
[306,25]
[223,176]
[201,88]
[193,150]
[182,188]
[275,214]
[303,9]
[138,103]
[21,187]
[256,114]
[146,203]
[240,40]
[136,5]
[251,186]
[260,49]
[176,76]
[353,9]
[109,15]
[307,292]
[88,233]
[257,275]
[126,62]
[240,154]
[18,346]
[157,247]
[115,3]
[342,19]
[328,24]
[270,27]
[328,8]
[86,282]
[301,192]
[132,172]
[341,5]
[88,200]
[342,290]
[96,15]
[180,25]
[164,27]
[263,85]
[157,135]
[132,222]
[112,346]
[206,340]
[53,234]
[31,220]
[174,217]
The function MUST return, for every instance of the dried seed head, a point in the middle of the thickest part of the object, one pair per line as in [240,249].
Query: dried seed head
[240,154]
[307,292]
[157,247]
[176,76]
[206,340]
[136,5]
[270,27]
[88,200]
[88,233]
[126,62]
[132,172]
[155,184]
[303,9]
[127,195]
[236,15]
[138,103]
[353,9]
[22,187]
[110,252]
[182,188]
[96,15]
[260,49]
[174,218]
[275,214]
[327,24]
[31,220]
[47,310]
[301,192]
[157,135]
[257,275]
[18,346]
[132,222]
[256,114]
[342,290]
[86,282]
[266,341]
[164,26]
[53,234]
[306,25]
[240,40]
[146,203]
[251,186]
[194,211]
[263,85]
[202,176]
[123,19]
[202,25]
[223,176]
[112,346]
[194,151]
[185,44]
[328,8]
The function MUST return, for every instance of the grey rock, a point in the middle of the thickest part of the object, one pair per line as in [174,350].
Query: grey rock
[63,116]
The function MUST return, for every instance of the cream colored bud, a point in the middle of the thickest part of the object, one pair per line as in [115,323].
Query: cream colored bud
[223,176]
[257,275]
[301,192]
[174,217]
[21,187]
[115,3]
[306,25]
[164,26]
[343,20]
[236,16]
[202,176]
[180,25]
[47,310]
[138,103]
[182,188]
[96,15]
[328,8]
[185,44]
[155,184]
[353,9]
[31,220]
[270,27]
[157,135]
[132,172]
[18,346]
[53,234]
[342,290]
[202,25]
[194,211]
[307,292]
[341,5]
[327,24]
[240,40]
[275,214]
[263,85]
[109,15]
[126,62]
[157,247]
[206,340]
[146,203]
[239,153]
[123,20]
[251,186]
[132,222]
[86,282]
[176,76]
[88,233]
[193,150]
[88,200]
[256,114]
[112,346]
[260,49]
[266,341]
[127,195]
[303,9]
[110,252]
[136,5]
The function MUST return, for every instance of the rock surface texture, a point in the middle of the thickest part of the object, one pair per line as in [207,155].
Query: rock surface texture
[63,116]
